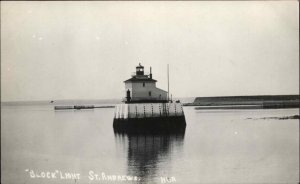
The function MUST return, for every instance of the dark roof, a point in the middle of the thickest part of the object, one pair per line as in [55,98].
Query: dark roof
[134,79]
[140,66]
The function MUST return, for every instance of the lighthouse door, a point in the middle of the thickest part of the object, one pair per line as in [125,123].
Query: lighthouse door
[128,95]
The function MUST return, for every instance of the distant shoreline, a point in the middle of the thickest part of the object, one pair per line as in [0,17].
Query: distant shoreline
[277,118]
[62,102]
[218,102]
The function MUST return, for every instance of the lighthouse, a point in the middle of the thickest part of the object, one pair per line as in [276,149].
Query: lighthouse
[146,108]
[141,88]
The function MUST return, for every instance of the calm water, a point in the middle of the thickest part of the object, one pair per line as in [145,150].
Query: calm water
[217,147]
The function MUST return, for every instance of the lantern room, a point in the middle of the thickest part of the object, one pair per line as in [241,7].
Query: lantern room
[140,70]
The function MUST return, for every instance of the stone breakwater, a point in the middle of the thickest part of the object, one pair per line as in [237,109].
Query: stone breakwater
[246,102]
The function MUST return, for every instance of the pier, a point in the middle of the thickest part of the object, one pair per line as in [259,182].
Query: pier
[79,107]
[246,102]
[149,118]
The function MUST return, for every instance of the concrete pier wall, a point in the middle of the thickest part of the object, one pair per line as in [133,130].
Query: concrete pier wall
[125,111]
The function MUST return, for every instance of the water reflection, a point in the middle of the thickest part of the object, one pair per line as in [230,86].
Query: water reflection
[149,156]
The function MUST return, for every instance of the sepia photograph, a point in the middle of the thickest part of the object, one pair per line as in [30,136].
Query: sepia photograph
[150,92]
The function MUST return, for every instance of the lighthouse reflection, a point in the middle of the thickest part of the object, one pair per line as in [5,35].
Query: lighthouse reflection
[149,156]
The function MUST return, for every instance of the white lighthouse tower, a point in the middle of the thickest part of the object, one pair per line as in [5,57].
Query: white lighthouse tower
[141,88]
[147,108]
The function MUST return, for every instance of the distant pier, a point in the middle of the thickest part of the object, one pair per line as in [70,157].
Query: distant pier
[78,107]
[246,102]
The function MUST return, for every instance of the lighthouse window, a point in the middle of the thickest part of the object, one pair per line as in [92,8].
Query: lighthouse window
[149,93]
[143,84]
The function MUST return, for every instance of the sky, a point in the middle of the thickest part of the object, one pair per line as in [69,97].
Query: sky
[86,49]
